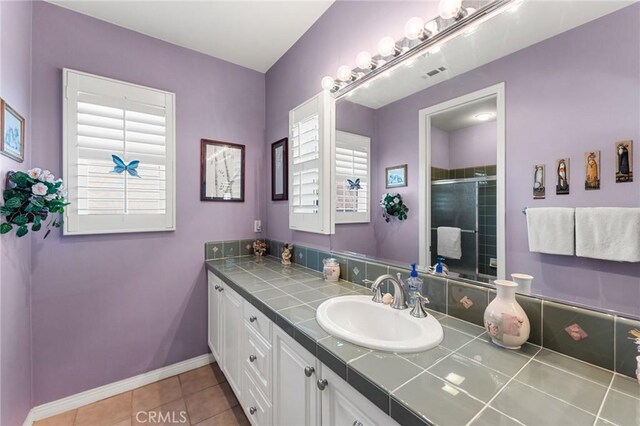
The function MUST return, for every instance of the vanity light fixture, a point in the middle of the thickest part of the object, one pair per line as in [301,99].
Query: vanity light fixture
[420,39]
[484,116]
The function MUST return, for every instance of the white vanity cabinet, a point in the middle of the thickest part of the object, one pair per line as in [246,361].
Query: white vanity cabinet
[214,315]
[295,395]
[277,381]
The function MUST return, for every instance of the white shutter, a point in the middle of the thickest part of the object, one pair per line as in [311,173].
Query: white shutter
[104,117]
[310,158]
[353,159]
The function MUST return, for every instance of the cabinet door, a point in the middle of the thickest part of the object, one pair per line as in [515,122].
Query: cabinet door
[342,405]
[214,315]
[295,396]
[232,337]
[311,158]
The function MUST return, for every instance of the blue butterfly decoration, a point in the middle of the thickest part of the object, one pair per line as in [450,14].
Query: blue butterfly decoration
[354,184]
[120,166]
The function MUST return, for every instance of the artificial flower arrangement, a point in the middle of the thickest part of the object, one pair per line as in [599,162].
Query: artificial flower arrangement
[392,206]
[30,198]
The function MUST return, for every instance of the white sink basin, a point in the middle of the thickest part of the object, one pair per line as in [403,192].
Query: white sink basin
[359,320]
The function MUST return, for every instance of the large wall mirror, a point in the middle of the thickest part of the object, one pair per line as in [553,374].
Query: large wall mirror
[474,116]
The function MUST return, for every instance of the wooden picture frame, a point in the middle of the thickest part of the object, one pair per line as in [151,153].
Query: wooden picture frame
[222,166]
[11,144]
[396,176]
[280,170]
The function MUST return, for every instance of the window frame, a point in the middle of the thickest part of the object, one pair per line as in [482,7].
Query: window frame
[75,224]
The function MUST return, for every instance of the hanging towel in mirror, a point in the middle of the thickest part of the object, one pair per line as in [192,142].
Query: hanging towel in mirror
[551,230]
[449,242]
[610,233]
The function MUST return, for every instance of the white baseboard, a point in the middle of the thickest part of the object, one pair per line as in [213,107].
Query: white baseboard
[87,397]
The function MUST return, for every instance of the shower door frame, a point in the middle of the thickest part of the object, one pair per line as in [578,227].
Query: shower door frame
[424,156]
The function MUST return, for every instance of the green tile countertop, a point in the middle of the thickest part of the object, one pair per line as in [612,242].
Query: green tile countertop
[466,380]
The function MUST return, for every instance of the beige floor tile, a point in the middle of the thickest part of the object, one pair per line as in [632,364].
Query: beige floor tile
[126,422]
[106,412]
[170,414]
[210,402]
[64,419]
[156,394]
[201,378]
[232,417]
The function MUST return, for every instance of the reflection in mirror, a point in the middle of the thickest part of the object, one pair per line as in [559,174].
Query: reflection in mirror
[570,72]
[463,143]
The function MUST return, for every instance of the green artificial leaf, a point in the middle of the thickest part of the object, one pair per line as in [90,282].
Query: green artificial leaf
[13,203]
[20,220]
[22,231]
[37,202]
[5,211]
[51,188]
[8,193]
[20,178]
[5,227]
[36,226]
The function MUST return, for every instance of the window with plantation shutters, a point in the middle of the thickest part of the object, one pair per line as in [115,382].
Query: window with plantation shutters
[352,178]
[119,156]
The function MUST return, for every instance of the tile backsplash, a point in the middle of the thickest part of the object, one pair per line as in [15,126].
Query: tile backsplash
[597,338]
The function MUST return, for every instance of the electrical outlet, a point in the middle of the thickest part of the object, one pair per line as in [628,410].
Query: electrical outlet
[257,226]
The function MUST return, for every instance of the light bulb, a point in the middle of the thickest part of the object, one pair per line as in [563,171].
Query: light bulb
[344,73]
[387,46]
[484,116]
[363,60]
[431,27]
[327,83]
[413,29]
[449,8]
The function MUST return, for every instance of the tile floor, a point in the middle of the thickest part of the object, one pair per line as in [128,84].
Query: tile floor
[199,397]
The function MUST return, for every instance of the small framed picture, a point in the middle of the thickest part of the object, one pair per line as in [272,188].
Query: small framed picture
[221,171]
[592,170]
[562,176]
[624,161]
[279,172]
[12,130]
[396,176]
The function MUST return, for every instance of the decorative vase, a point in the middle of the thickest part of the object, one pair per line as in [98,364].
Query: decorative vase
[523,281]
[504,319]
[331,269]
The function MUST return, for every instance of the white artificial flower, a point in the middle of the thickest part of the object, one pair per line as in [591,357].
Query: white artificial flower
[50,197]
[34,173]
[39,188]
[46,176]
[62,191]
[396,200]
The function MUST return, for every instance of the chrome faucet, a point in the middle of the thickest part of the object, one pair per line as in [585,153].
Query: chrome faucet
[399,297]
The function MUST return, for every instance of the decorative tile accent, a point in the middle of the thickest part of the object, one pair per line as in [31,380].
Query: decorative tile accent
[596,349]
[300,255]
[356,272]
[627,346]
[246,247]
[467,302]
[576,332]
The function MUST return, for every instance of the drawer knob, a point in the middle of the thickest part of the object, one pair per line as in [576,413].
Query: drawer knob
[253,318]
[322,384]
[308,371]
[220,288]
[252,358]
[252,410]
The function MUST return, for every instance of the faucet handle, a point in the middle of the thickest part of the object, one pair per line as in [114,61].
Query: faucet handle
[418,310]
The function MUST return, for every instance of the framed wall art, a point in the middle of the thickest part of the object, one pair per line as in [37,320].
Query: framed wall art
[12,131]
[396,176]
[562,176]
[592,170]
[624,161]
[279,170]
[221,171]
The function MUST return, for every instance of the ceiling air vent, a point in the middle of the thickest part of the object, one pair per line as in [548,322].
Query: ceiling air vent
[433,72]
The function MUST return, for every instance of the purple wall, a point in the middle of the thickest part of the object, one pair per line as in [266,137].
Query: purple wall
[439,148]
[473,146]
[109,307]
[345,29]
[15,253]
[561,114]
[575,92]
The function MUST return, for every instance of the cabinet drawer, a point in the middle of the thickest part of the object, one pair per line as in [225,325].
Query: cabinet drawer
[257,320]
[256,407]
[257,360]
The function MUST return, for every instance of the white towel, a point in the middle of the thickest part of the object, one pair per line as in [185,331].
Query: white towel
[610,233]
[449,242]
[551,230]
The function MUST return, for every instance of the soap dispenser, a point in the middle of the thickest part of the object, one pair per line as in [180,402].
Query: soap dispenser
[414,283]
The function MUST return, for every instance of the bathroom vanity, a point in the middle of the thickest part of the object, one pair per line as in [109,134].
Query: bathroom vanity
[286,370]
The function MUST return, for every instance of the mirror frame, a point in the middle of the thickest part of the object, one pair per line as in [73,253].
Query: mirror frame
[424,156]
